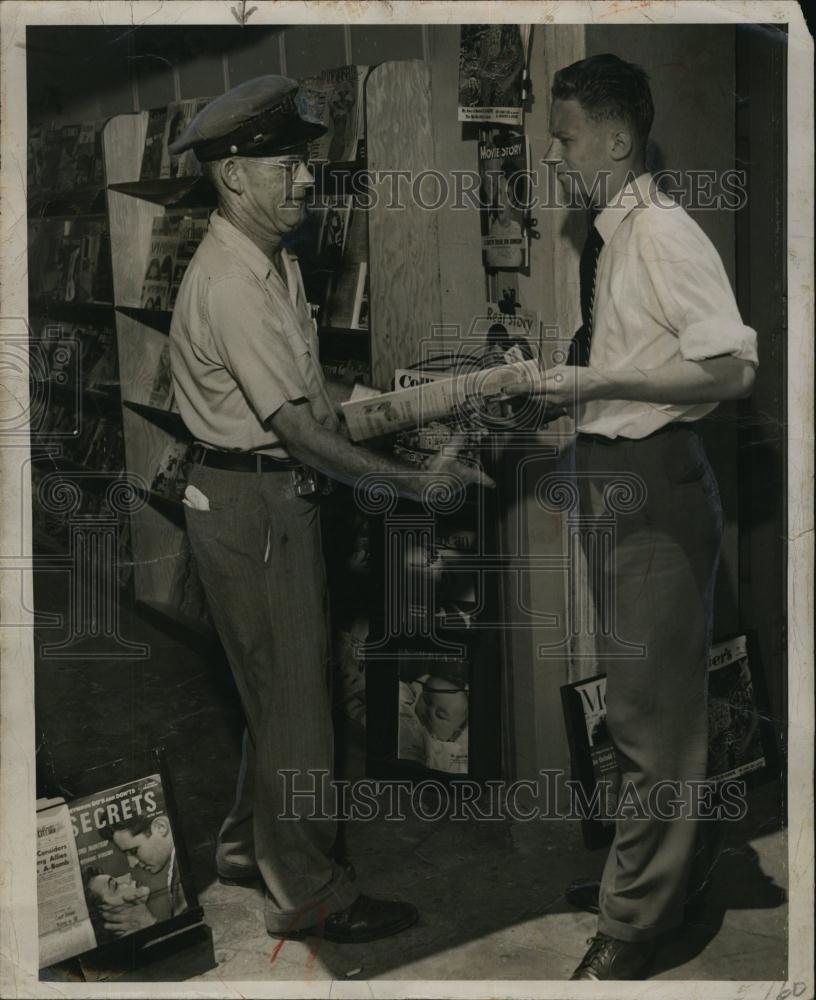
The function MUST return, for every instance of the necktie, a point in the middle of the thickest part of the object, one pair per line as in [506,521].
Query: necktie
[579,348]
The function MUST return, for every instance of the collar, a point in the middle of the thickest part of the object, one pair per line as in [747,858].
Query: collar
[636,192]
[252,255]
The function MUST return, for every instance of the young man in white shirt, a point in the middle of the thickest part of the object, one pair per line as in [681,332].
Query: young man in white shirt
[661,344]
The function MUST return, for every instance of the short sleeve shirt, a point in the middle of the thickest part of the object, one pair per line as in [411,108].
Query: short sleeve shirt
[243,343]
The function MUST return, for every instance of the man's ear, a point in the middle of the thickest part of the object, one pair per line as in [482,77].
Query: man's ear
[622,143]
[231,175]
[160,825]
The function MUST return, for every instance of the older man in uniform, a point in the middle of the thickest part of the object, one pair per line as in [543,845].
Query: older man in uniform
[250,389]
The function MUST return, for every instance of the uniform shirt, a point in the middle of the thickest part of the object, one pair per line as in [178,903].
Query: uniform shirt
[661,296]
[242,343]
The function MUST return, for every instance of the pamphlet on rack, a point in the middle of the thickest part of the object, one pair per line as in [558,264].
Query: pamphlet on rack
[411,407]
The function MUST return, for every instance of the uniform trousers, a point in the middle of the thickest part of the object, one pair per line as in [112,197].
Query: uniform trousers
[653,590]
[259,555]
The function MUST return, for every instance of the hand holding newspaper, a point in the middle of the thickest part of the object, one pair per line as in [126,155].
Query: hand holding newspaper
[394,411]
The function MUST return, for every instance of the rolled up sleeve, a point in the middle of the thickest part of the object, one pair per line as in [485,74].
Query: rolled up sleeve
[694,298]
[253,344]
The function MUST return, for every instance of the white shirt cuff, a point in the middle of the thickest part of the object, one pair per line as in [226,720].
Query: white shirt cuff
[709,338]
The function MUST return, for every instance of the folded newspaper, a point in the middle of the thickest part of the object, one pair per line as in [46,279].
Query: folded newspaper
[374,416]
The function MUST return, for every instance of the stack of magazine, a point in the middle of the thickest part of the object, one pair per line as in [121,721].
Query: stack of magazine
[173,242]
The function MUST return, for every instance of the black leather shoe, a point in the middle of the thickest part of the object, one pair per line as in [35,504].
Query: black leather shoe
[609,958]
[365,920]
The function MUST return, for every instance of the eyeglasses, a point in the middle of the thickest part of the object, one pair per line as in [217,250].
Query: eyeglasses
[288,163]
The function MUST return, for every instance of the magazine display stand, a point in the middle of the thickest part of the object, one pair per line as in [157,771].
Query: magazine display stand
[164,577]
[76,422]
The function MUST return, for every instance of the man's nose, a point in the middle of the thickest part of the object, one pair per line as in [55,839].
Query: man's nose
[303,175]
[133,861]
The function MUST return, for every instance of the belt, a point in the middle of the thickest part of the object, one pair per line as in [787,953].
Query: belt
[670,428]
[241,461]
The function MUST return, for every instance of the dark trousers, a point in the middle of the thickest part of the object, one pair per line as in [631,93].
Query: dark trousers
[258,552]
[653,591]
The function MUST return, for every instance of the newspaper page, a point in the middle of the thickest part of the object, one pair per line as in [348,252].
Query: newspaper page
[64,924]
[394,411]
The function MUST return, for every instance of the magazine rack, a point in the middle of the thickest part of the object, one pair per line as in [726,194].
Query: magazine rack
[76,412]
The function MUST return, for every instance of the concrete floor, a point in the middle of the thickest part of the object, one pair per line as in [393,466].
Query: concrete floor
[490,895]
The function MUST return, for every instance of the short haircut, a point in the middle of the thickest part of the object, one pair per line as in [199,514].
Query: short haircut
[133,826]
[606,87]
[88,875]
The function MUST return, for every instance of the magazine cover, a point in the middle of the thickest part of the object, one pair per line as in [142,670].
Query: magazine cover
[504,164]
[170,476]
[85,155]
[492,63]
[67,169]
[179,115]
[154,145]
[433,715]
[498,332]
[126,848]
[335,97]
[161,394]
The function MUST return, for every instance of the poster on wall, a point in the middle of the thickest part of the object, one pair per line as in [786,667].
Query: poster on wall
[492,68]
[504,198]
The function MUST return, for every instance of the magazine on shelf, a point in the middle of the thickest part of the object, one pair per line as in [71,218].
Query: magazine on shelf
[335,97]
[85,156]
[66,171]
[179,116]
[154,145]
[171,474]
[492,68]
[345,295]
[412,407]
[504,163]
[161,393]
[100,368]
[334,222]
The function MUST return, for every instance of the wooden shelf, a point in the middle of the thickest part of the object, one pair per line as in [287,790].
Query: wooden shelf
[173,192]
[104,401]
[78,312]
[90,480]
[156,319]
[82,201]
[167,420]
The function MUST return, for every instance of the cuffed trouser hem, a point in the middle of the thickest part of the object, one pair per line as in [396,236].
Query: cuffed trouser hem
[631,932]
[338,897]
